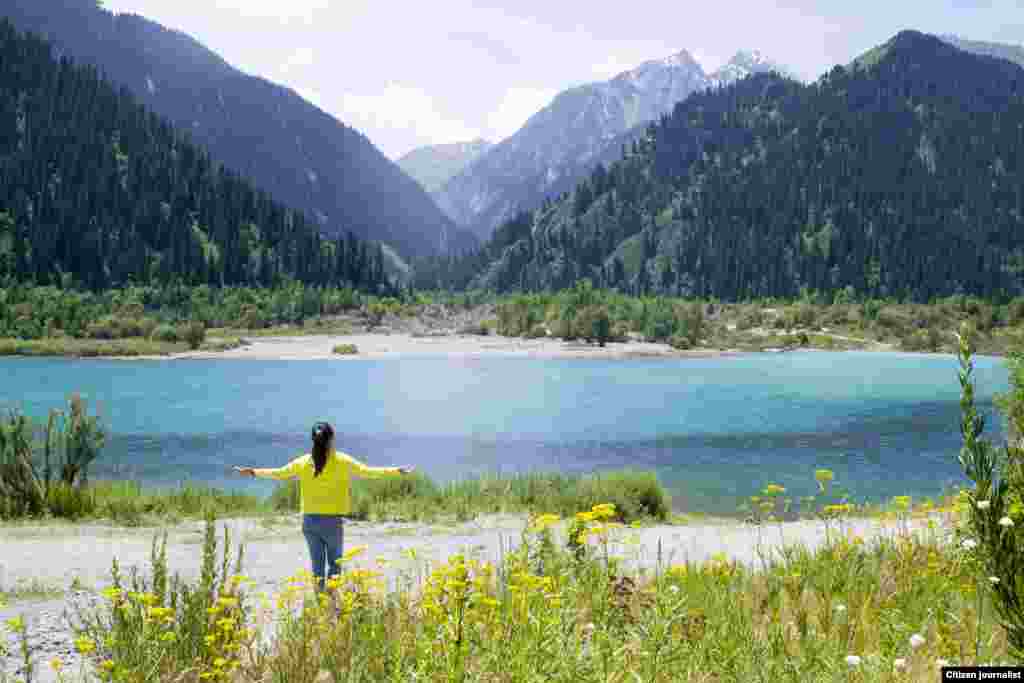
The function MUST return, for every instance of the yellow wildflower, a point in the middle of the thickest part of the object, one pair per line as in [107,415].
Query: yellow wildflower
[85,645]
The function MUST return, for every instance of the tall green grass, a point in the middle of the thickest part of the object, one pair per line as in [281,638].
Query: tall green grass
[636,494]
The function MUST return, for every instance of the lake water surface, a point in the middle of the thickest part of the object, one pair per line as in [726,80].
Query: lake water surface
[715,429]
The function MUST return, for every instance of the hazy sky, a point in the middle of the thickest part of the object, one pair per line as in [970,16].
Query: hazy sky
[424,72]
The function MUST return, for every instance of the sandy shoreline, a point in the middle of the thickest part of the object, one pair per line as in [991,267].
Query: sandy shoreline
[404,345]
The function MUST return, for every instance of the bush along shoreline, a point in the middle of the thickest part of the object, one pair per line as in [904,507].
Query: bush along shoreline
[167,319]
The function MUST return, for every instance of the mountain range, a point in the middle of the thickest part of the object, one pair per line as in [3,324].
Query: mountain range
[431,166]
[302,156]
[899,175]
[581,127]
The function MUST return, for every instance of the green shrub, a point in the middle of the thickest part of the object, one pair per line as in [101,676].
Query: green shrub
[34,475]
[165,333]
[680,342]
[690,322]
[634,494]
[105,328]
[195,334]
[890,321]
[801,315]
[1015,311]
[837,315]
[71,502]
[750,318]
[620,331]
[538,331]
[593,324]
[345,350]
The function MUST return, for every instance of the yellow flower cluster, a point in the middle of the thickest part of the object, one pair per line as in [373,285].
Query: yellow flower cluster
[460,594]
[225,636]
[837,510]
[529,589]
[594,523]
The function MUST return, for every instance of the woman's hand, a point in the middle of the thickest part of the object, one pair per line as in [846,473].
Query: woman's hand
[246,471]
[407,469]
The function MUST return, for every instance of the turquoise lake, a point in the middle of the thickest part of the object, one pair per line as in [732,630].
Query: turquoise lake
[716,430]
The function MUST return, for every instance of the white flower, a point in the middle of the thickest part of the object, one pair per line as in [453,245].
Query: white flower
[899,664]
[1006,522]
[994,579]
[983,504]
[674,589]
[916,641]
[840,608]
[969,544]
[853,660]
[941,662]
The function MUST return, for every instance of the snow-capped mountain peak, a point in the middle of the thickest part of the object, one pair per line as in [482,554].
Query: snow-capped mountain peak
[744,63]
[563,142]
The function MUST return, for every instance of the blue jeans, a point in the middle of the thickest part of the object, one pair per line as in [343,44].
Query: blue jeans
[325,535]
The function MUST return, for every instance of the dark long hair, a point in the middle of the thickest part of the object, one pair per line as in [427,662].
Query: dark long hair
[322,433]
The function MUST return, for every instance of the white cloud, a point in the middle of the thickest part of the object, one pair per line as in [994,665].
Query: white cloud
[518,104]
[185,13]
[403,111]
[301,58]
[612,66]
[266,9]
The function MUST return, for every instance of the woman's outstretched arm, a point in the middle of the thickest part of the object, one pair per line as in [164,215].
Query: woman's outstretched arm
[361,469]
[289,471]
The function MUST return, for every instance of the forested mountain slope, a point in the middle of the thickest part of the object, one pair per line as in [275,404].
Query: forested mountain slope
[902,175]
[581,128]
[96,188]
[285,145]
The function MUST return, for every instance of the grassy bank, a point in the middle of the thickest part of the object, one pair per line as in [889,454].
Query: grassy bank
[638,495]
[99,348]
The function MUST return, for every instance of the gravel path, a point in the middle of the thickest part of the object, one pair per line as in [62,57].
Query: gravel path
[58,555]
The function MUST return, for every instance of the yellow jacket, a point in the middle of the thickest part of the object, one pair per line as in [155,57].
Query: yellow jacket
[329,493]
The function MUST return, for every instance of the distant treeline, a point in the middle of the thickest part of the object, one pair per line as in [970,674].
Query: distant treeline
[38,312]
